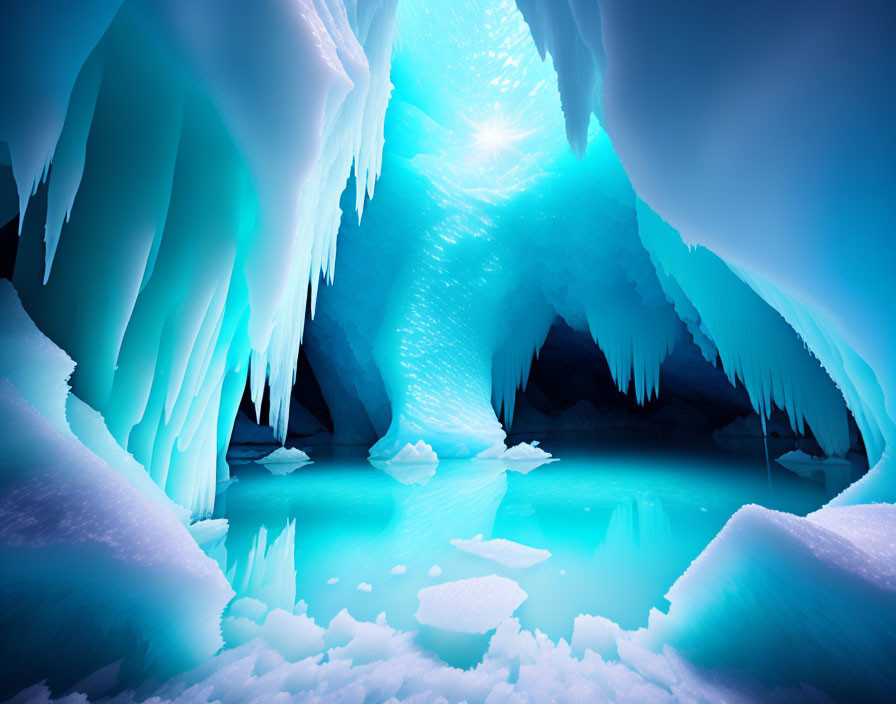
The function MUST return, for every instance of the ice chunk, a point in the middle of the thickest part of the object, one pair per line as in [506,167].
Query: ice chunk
[835,472]
[434,571]
[421,453]
[365,587]
[475,605]
[505,552]
[208,531]
[399,569]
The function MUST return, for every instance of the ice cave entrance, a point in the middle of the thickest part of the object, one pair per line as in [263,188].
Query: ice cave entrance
[646,386]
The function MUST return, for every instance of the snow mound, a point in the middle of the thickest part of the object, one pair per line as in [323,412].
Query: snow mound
[421,453]
[505,552]
[475,605]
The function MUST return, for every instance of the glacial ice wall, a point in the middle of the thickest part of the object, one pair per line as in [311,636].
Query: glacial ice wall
[178,193]
[749,155]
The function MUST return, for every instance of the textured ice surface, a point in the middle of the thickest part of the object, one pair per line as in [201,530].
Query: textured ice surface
[505,552]
[474,605]
[91,562]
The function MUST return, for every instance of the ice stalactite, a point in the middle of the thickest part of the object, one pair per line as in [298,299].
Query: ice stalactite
[183,221]
[775,366]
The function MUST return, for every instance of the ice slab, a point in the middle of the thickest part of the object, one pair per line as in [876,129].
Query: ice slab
[475,605]
[505,552]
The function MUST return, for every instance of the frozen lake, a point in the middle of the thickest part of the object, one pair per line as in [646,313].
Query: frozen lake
[620,525]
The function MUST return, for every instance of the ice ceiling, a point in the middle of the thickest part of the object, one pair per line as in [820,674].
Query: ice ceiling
[180,194]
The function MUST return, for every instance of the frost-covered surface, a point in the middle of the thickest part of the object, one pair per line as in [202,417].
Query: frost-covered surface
[475,605]
[505,552]
[97,567]
[200,199]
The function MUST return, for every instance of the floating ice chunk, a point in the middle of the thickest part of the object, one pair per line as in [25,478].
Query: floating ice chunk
[332,580]
[434,571]
[421,453]
[399,569]
[495,452]
[474,605]
[505,552]
[365,587]
[285,454]
[835,472]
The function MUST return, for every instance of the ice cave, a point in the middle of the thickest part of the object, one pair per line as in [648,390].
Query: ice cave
[442,351]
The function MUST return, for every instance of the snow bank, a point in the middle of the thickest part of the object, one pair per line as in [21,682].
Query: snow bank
[94,570]
[505,552]
[810,600]
[474,605]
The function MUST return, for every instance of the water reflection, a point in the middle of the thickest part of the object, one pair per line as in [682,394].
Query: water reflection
[620,529]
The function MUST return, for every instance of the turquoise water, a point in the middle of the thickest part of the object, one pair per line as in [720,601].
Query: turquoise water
[621,525]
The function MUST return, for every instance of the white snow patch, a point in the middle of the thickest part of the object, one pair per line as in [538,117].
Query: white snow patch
[505,552]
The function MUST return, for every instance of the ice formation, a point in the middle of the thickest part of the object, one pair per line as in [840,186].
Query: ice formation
[475,605]
[226,180]
[94,557]
[505,552]
[179,196]
[744,181]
